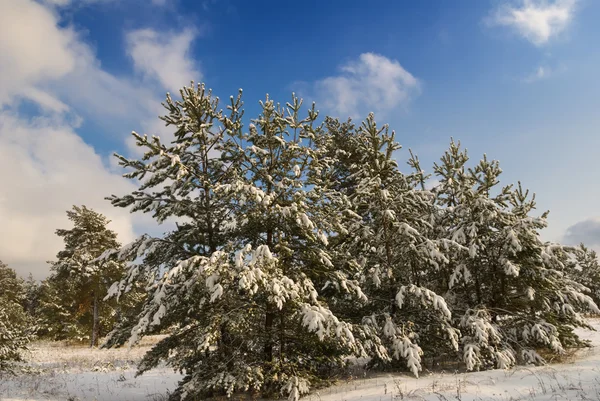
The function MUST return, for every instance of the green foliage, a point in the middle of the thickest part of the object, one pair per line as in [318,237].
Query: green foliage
[70,300]
[15,324]
[507,286]
[239,280]
[391,247]
[299,244]
[586,271]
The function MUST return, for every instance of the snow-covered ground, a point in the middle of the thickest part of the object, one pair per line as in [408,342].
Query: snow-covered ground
[78,373]
[576,380]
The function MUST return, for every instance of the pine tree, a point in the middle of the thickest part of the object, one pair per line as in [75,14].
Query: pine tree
[180,181]
[31,299]
[59,312]
[15,324]
[390,244]
[508,289]
[79,281]
[239,277]
[297,245]
[586,271]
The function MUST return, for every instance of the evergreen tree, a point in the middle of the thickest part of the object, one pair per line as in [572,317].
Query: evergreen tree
[240,277]
[55,313]
[297,245]
[15,325]
[390,244]
[31,298]
[508,288]
[586,271]
[74,292]
[180,181]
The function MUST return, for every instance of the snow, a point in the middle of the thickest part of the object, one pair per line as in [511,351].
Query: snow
[576,379]
[80,373]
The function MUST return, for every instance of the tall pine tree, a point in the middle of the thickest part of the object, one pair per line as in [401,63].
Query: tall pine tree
[239,277]
[80,279]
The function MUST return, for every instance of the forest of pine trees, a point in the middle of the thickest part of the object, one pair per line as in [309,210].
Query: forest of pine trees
[298,244]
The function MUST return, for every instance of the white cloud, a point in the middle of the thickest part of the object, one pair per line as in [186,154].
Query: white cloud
[44,99]
[41,53]
[371,83]
[53,67]
[586,231]
[164,56]
[45,166]
[536,20]
[65,3]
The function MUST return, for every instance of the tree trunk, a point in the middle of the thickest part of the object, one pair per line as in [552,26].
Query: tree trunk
[269,315]
[269,318]
[95,321]
[281,335]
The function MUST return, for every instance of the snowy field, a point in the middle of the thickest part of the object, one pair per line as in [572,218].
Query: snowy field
[78,373]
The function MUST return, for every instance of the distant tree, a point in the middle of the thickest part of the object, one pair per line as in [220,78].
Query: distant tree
[73,294]
[59,313]
[15,324]
[32,293]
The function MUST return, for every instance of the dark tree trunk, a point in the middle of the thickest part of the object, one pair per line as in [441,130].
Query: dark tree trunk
[270,317]
[95,321]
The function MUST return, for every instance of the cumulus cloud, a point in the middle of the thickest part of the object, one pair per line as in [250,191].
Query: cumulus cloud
[373,83]
[536,20]
[45,166]
[163,56]
[42,52]
[586,231]
[53,67]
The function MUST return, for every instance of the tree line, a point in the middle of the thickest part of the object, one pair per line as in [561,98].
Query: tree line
[300,243]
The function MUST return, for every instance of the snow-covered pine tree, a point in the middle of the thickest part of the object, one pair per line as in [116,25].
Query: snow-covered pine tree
[389,244]
[177,182]
[290,207]
[586,271]
[239,277]
[508,290]
[339,147]
[15,325]
[87,278]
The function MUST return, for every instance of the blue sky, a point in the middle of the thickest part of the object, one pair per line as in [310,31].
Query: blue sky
[516,79]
